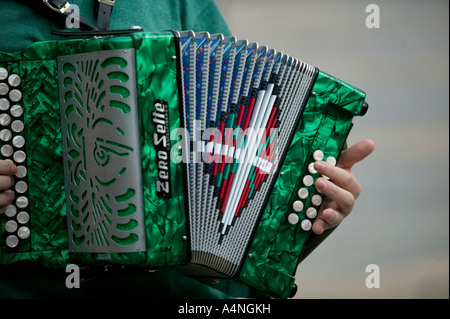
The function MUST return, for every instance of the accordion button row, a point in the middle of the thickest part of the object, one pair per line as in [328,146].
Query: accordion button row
[13,149]
[14,80]
[303,193]
[305,224]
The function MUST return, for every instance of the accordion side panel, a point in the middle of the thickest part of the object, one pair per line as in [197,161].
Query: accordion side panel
[157,91]
[101,147]
[277,246]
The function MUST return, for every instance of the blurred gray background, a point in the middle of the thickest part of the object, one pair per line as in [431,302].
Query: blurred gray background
[401,220]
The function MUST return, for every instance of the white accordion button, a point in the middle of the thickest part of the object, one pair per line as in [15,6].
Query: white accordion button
[331,160]
[16,110]
[5,135]
[5,119]
[4,104]
[22,202]
[6,150]
[318,155]
[293,219]
[12,241]
[297,206]
[316,200]
[17,126]
[3,73]
[308,180]
[18,141]
[11,211]
[4,88]
[14,80]
[311,168]
[311,212]
[23,217]
[303,193]
[10,226]
[21,187]
[19,156]
[306,224]
[23,232]
[21,171]
[15,95]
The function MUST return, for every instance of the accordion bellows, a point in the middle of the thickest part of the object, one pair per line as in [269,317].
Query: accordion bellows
[168,149]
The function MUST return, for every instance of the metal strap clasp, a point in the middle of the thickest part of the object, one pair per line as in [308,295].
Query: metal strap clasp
[57,6]
[108,2]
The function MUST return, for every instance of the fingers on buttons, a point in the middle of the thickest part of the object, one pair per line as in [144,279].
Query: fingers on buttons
[12,141]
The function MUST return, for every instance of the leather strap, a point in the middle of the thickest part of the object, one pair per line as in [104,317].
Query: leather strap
[93,33]
[104,9]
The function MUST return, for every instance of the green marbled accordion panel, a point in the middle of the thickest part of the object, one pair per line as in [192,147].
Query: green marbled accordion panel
[275,244]
[164,222]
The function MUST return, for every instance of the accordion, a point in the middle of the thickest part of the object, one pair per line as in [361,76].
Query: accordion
[172,149]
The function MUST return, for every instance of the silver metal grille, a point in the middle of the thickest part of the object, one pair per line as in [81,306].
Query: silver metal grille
[102,163]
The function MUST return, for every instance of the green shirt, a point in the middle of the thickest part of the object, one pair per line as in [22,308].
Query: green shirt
[24,22]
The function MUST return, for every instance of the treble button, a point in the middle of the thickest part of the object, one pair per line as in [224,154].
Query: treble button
[4,88]
[21,187]
[311,168]
[18,141]
[6,150]
[11,226]
[297,206]
[19,156]
[308,180]
[316,200]
[17,126]
[311,212]
[16,110]
[4,104]
[14,80]
[12,241]
[5,135]
[293,219]
[23,217]
[10,211]
[22,202]
[318,155]
[331,160]
[306,224]
[21,171]
[23,232]
[15,95]
[302,193]
[3,73]
[5,119]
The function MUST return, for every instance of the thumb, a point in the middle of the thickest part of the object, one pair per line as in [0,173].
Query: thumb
[356,153]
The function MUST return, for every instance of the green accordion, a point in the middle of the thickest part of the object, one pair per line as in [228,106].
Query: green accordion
[172,149]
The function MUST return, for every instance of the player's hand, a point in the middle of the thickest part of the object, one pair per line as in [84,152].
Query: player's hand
[342,190]
[7,170]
